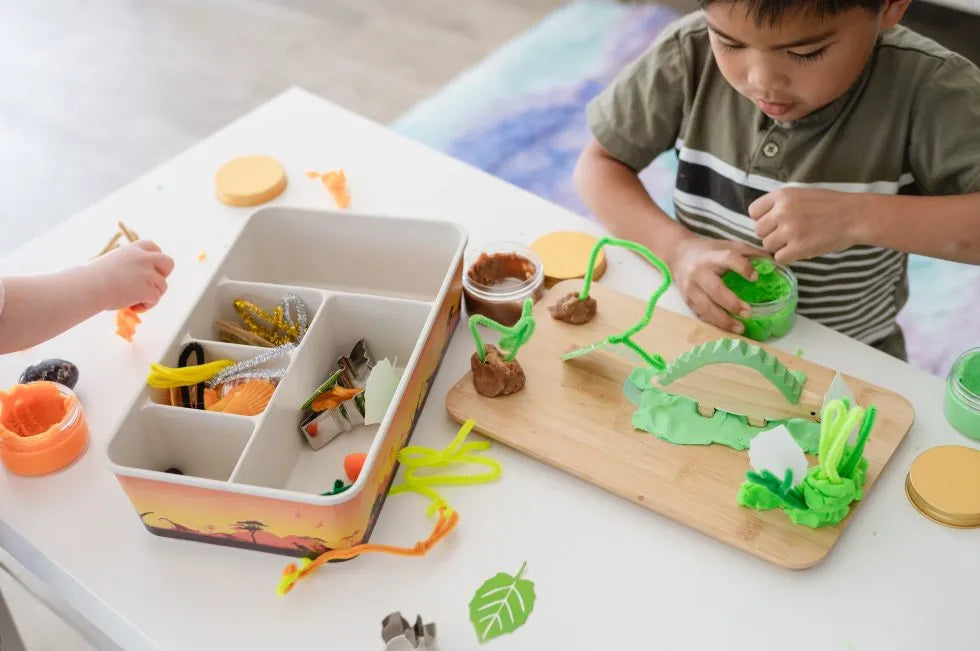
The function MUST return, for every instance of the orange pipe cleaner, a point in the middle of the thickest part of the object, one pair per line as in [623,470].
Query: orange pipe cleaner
[336,185]
[126,320]
[292,574]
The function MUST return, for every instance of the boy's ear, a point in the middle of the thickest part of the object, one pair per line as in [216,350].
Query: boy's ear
[894,10]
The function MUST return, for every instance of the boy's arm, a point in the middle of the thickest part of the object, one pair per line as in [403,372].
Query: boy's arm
[938,227]
[943,150]
[800,223]
[613,192]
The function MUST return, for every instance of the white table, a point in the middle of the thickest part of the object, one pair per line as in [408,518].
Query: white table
[608,574]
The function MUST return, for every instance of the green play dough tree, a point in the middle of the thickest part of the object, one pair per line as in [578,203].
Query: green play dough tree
[830,488]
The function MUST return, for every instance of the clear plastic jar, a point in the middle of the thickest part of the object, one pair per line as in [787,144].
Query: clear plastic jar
[55,447]
[962,404]
[499,277]
[774,318]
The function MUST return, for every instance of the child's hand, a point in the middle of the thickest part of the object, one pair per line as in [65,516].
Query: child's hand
[133,275]
[698,264]
[799,223]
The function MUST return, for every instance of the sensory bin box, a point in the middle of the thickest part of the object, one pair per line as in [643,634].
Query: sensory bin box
[255,482]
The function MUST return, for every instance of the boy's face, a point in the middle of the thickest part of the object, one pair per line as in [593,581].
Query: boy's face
[797,66]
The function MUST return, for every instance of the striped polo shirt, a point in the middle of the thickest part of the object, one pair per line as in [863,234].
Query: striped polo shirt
[910,124]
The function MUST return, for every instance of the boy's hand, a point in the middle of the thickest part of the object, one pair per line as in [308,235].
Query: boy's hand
[799,223]
[132,276]
[698,264]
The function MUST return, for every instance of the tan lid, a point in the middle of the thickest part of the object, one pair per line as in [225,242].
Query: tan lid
[565,255]
[250,180]
[944,485]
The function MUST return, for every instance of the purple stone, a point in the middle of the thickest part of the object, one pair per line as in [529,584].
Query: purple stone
[51,370]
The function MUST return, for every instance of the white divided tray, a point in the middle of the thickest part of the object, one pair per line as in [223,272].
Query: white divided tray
[255,482]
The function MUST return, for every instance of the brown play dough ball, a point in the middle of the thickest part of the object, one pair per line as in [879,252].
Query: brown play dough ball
[571,309]
[249,181]
[565,255]
[944,485]
[496,377]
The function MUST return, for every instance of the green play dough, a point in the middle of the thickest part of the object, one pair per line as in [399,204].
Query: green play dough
[970,374]
[757,497]
[960,407]
[676,419]
[771,286]
[828,502]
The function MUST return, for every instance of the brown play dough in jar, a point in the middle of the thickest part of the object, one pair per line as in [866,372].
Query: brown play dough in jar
[496,377]
[493,269]
[501,272]
[571,309]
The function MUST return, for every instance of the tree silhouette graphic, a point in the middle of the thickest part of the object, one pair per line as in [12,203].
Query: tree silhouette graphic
[250,526]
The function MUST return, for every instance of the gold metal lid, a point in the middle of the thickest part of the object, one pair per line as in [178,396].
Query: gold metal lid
[944,485]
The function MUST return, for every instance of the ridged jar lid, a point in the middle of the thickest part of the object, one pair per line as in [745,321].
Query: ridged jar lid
[944,485]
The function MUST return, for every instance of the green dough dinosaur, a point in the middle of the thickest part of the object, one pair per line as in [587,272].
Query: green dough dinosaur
[737,351]
[676,419]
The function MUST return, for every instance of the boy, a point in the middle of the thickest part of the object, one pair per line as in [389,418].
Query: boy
[34,309]
[803,127]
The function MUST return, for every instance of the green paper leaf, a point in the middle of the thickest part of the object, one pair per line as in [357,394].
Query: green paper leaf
[501,605]
[323,388]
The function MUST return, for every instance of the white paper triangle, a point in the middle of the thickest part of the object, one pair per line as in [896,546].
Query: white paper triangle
[379,390]
[775,450]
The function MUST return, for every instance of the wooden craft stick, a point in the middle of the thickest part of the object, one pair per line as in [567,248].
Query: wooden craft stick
[130,235]
[113,243]
[233,334]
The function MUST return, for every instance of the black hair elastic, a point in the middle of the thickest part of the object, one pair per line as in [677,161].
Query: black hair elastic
[185,393]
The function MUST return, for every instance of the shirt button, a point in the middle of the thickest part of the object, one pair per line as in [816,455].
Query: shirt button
[770,149]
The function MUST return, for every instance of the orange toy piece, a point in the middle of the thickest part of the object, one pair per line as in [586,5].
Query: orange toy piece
[247,399]
[291,574]
[42,428]
[126,321]
[210,398]
[336,184]
[353,463]
[332,398]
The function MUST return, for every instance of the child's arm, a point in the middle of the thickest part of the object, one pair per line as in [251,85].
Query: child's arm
[800,223]
[614,193]
[943,155]
[37,308]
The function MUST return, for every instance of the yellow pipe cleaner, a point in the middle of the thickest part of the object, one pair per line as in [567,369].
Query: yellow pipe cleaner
[417,457]
[414,458]
[165,377]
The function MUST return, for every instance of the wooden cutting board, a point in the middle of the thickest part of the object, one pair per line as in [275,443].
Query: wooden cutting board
[578,419]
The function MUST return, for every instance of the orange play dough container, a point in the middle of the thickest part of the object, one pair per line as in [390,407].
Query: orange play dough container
[42,428]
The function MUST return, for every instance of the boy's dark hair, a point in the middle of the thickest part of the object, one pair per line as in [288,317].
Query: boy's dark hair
[773,11]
